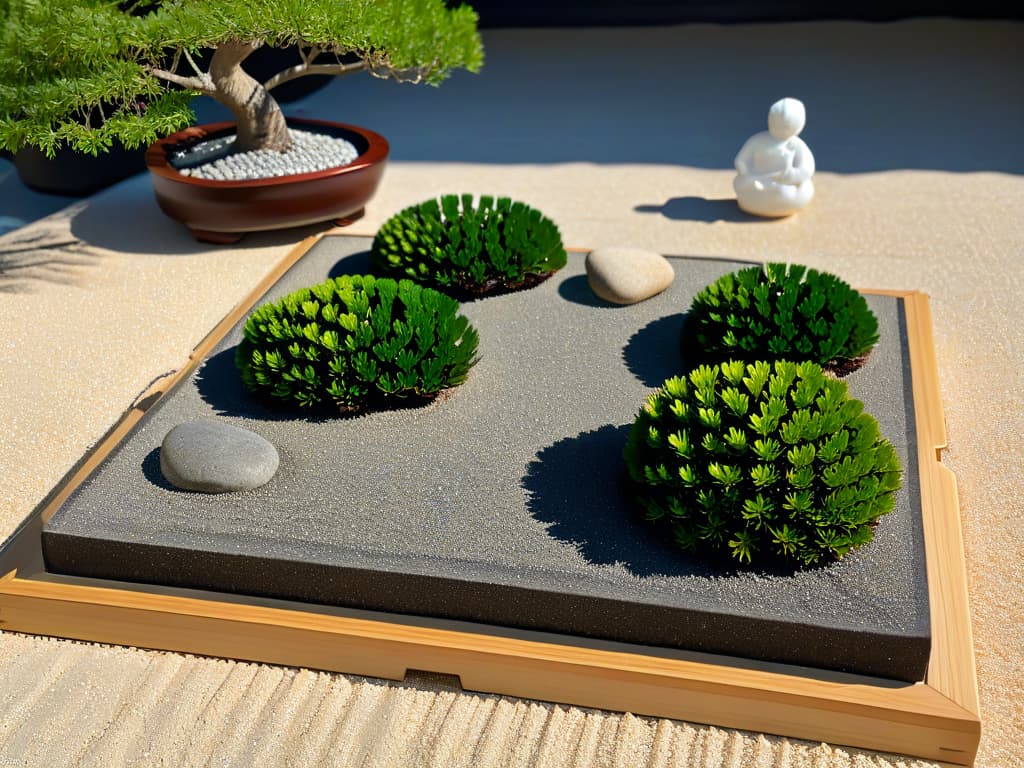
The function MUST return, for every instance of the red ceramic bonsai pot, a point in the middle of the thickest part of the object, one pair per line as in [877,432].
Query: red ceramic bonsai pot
[221,211]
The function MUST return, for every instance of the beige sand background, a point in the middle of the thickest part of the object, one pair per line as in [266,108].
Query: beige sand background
[919,186]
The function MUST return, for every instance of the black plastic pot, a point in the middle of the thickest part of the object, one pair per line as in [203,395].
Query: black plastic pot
[74,173]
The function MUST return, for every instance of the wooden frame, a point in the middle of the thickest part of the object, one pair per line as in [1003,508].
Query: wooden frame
[937,719]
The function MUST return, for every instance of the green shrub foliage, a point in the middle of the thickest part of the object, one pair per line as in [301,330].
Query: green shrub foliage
[87,72]
[770,462]
[356,341]
[452,243]
[780,313]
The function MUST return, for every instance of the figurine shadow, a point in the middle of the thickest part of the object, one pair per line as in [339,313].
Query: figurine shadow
[702,209]
[576,486]
[653,353]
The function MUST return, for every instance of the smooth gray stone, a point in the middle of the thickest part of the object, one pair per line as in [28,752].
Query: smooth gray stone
[212,457]
[627,275]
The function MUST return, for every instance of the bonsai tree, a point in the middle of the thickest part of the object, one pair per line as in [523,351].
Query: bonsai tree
[84,72]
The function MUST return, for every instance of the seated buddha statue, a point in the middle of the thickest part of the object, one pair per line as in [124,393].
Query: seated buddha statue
[774,167]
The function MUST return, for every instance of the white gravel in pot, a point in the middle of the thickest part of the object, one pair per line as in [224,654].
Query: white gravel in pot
[310,152]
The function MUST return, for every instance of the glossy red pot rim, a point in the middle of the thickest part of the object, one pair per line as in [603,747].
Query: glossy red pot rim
[158,164]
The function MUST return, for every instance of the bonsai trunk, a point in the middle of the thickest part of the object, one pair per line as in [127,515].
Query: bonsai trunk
[260,122]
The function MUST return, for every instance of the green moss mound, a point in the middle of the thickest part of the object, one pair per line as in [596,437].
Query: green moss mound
[358,342]
[456,245]
[780,312]
[766,462]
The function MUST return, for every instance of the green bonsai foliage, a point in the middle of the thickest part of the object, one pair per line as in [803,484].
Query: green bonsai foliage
[356,341]
[84,72]
[767,462]
[781,313]
[492,246]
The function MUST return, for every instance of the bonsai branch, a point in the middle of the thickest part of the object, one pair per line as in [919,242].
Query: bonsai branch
[202,83]
[309,56]
[301,70]
[192,63]
[386,72]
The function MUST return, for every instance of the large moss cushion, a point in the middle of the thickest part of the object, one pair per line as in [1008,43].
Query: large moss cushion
[469,247]
[780,312]
[357,342]
[767,462]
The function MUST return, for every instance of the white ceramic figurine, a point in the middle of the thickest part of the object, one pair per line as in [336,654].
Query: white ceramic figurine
[774,167]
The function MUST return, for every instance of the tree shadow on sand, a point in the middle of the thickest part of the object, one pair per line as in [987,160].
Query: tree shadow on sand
[41,257]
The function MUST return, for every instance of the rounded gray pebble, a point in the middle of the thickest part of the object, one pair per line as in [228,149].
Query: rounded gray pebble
[211,457]
[627,275]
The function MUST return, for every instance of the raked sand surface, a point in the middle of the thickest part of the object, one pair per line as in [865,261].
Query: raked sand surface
[101,299]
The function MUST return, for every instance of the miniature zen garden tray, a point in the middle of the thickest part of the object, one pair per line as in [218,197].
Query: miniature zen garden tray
[493,516]
[500,502]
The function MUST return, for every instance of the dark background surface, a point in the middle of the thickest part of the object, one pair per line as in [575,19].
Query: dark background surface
[497,13]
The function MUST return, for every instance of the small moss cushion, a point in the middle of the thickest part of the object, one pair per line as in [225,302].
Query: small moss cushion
[767,462]
[780,312]
[475,248]
[357,342]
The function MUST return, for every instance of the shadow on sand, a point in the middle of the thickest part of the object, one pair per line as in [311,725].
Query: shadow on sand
[702,209]
[576,485]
